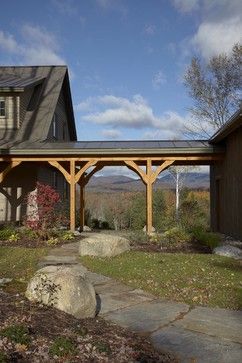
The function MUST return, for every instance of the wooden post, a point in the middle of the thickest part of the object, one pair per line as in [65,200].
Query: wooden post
[149,211]
[82,206]
[72,196]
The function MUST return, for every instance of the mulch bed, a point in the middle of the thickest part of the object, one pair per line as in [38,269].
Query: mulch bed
[180,248]
[95,340]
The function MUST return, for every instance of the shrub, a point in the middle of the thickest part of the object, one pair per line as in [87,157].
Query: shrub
[62,347]
[14,237]
[52,241]
[176,235]
[6,232]
[95,223]
[67,235]
[17,333]
[209,239]
[43,203]
[138,237]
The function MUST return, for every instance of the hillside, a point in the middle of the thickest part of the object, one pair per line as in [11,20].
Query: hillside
[118,183]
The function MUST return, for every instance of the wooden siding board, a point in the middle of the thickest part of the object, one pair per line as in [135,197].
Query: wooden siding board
[230,174]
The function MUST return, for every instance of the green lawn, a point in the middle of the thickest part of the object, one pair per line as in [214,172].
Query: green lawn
[19,263]
[196,279]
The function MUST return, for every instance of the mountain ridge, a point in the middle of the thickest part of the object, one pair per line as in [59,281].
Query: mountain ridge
[118,183]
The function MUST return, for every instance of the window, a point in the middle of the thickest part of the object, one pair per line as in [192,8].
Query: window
[54,126]
[2,108]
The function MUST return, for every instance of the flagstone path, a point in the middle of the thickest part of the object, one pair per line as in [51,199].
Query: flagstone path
[194,334]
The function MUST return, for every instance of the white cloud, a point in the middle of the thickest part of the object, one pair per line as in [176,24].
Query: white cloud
[84,105]
[119,111]
[135,113]
[219,29]
[149,29]
[111,134]
[8,43]
[158,79]
[217,37]
[186,6]
[37,46]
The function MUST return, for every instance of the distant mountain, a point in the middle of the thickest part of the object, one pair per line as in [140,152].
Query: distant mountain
[119,183]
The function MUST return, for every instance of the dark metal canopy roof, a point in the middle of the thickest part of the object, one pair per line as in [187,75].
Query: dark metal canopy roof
[109,147]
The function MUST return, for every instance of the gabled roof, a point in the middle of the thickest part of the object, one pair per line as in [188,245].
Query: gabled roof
[37,121]
[231,125]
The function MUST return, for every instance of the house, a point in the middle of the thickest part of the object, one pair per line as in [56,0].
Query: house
[226,179]
[35,106]
[38,143]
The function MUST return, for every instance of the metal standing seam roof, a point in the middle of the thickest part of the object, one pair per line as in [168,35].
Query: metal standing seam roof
[15,83]
[109,147]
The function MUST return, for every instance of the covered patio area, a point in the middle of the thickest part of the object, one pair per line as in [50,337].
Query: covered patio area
[79,161]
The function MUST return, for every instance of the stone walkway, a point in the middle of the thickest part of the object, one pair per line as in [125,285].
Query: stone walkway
[195,335]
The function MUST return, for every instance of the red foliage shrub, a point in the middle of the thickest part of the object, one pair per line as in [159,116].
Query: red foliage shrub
[43,207]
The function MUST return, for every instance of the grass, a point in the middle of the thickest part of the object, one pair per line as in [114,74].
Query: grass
[196,279]
[19,264]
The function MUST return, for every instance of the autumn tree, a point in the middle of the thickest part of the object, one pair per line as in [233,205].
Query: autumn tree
[215,88]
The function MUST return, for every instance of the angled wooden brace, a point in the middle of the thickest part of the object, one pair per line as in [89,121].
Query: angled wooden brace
[84,168]
[58,166]
[160,168]
[134,167]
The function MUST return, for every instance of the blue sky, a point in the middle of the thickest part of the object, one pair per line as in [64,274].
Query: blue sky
[126,57]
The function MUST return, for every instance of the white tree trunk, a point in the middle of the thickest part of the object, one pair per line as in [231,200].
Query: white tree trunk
[177,196]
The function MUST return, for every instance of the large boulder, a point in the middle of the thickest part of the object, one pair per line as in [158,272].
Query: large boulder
[228,251]
[103,245]
[65,288]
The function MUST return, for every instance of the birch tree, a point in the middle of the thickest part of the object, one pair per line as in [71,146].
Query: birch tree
[215,88]
[179,175]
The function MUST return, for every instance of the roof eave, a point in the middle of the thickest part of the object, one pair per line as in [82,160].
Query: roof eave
[73,151]
[233,123]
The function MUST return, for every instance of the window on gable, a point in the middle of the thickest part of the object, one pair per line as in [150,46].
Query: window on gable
[54,126]
[2,108]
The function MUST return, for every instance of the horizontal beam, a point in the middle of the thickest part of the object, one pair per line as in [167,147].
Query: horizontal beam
[116,159]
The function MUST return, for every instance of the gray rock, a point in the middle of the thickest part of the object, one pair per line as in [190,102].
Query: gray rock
[86,229]
[147,316]
[228,251]
[152,230]
[65,288]
[222,323]
[194,347]
[103,245]
[4,281]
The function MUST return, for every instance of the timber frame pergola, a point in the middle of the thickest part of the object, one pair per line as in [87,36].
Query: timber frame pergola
[79,164]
